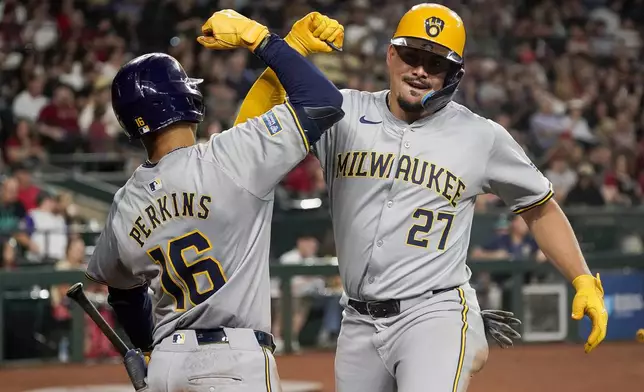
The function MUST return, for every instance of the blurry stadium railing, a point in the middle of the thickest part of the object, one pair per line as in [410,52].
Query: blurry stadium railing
[26,280]
[96,176]
[33,284]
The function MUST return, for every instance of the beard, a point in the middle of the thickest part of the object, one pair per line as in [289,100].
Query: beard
[409,107]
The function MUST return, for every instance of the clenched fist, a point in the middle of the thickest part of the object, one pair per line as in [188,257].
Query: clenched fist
[315,33]
[228,29]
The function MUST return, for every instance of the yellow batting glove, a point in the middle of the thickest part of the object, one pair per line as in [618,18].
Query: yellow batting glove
[228,29]
[315,33]
[589,300]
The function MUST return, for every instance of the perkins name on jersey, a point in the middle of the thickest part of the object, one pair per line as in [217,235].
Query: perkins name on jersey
[168,207]
[372,164]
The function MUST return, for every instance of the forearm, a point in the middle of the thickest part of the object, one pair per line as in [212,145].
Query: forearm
[304,84]
[556,239]
[266,92]
[133,310]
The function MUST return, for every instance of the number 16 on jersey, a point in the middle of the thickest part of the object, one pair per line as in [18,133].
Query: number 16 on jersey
[188,280]
[427,219]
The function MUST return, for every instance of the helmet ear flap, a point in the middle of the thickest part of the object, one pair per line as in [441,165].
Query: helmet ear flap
[436,100]
[455,75]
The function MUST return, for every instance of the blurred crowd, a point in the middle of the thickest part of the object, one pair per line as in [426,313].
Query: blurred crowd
[565,78]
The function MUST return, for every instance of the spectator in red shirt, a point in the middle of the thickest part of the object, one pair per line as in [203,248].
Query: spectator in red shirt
[22,146]
[27,191]
[58,123]
[304,180]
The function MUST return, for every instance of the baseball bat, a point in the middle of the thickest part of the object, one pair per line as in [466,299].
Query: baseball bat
[132,358]
[78,295]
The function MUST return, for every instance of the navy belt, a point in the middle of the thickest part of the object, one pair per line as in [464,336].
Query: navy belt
[218,335]
[386,308]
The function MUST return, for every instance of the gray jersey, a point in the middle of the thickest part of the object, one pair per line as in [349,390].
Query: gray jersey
[402,195]
[196,227]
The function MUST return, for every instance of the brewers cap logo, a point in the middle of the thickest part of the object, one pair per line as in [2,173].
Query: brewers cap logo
[434,26]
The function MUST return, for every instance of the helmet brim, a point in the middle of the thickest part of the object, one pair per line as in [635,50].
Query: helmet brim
[433,47]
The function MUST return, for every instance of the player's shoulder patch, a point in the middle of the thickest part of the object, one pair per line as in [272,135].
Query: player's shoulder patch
[272,123]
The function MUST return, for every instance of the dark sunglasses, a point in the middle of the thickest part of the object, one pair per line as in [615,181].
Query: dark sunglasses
[432,63]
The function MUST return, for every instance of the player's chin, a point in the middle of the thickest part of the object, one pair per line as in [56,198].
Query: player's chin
[410,104]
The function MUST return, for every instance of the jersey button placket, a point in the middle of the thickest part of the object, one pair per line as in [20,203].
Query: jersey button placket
[406,131]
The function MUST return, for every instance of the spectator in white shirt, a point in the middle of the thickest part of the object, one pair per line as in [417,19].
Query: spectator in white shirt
[30,101]
[48,230]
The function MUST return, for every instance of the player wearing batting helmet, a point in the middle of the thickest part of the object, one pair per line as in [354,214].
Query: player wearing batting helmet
[404,168]
[193,222]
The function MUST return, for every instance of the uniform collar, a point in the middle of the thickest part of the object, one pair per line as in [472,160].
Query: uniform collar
[148,164]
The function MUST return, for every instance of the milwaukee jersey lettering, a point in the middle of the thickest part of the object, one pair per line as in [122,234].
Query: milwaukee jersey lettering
[402,195]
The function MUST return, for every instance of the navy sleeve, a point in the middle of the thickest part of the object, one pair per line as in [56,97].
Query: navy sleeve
[304,84]
[316,101]
[133,309]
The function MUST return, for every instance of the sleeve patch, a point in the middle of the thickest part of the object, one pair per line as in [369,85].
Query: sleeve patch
[272,123]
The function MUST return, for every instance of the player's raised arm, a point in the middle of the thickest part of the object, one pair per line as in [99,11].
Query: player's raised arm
[314,33]
[260,152]
[512,176]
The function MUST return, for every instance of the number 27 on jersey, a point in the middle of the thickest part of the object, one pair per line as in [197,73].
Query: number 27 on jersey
[426,219]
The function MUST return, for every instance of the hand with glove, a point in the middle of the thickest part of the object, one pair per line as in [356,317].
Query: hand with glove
[315,33]
[499,326]
[589,300]
[228,29]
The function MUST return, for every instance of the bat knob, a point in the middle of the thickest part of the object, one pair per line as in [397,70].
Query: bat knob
[75,290]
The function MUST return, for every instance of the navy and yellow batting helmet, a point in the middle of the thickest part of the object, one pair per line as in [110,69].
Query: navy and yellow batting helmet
[439,30]
[153,91]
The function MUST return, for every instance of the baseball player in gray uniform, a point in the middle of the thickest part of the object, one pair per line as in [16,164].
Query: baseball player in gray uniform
[193,223]
[403,170]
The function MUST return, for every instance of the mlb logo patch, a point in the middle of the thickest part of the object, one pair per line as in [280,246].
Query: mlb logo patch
[178,338]
[155,185]
[271,122]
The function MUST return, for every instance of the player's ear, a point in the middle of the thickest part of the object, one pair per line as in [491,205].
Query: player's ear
[391,52]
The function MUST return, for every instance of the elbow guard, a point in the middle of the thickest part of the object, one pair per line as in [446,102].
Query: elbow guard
[317,120]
